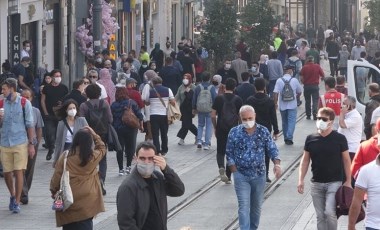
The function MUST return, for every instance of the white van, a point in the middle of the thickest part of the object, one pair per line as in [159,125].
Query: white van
[355,71]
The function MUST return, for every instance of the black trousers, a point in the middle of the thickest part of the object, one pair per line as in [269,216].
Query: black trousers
[159,125]
[333,66]
[29,172]
[187,125]
[51,123]
[80,225]
[221,141]
[127,138]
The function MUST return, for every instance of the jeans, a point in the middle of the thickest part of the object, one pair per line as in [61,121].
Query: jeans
[82,225]
[127,138]
[51,124]
[221,141]
[159,125]
[333,66]
[271,85]
[323,195]
[187,125]
[250,195]
[289,117]
[204,119]
[311,94]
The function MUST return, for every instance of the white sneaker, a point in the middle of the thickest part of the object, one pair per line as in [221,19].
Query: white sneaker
[181,142]
[121,172]
[222,174]
[206,147]
[127,170]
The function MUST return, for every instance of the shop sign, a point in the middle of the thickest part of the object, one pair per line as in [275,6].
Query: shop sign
[112,47]
[14,32]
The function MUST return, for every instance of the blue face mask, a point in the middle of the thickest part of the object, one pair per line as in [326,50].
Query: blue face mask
[9,97]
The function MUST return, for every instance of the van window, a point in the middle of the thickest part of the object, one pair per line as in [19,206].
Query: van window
[362,75]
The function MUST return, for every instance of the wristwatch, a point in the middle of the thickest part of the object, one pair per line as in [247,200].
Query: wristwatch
[33,141]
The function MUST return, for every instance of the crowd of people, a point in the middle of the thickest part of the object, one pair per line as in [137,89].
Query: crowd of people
[237,104]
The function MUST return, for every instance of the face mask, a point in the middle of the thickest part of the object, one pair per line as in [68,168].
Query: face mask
[144,66]
[253,69]
[9,97]
[153,67]
[125,69]
[27,48]
[248,124]
[99,60]
[27,65]
[57,80]
[322,125]
[72,112]
[145,169]
[228,66]
[185,81]
[215,83]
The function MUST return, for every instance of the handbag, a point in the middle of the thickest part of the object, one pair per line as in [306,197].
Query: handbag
[129,118]
[113,140]
[64,197]
[174,113]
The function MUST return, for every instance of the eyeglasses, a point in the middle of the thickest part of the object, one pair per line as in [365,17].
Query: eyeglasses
[145,158]
[93,76]
[323,118]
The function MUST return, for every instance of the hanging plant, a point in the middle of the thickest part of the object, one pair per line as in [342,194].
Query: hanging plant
[84,33]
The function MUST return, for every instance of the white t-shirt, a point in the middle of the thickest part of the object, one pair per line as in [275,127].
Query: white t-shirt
[375,115]
[353,132]
[369,180]
[103,94]
[145,94]
[69,136]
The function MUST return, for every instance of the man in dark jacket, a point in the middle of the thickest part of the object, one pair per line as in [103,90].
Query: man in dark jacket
[76,93]
[142,197]
[374,102]
[227,72]
[245,89]
[265,113]
[332,48]
[171,77]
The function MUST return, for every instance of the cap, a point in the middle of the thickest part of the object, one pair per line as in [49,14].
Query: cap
[130,81]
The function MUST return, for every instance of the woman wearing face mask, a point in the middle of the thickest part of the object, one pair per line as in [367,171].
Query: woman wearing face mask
[153,66]
[67,127]
[184,97]
[144,67]
[217,82]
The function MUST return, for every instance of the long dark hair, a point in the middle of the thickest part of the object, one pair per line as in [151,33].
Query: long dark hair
[62,111]
[82,141]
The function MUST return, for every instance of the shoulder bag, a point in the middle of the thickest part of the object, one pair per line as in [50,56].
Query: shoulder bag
[64,197]
[129,118]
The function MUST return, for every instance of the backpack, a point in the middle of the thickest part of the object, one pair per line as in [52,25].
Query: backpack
[204,101]
[23,102]
[287,93]
[294,65]
[97,117]
[229,115]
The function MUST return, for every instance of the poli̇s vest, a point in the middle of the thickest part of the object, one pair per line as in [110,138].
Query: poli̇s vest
[333,100]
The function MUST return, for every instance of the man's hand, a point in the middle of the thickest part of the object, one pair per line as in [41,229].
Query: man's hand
[347,184]
[275,136]
[160,161]
[233,168]
[300,187]
[277,170]
[31,151]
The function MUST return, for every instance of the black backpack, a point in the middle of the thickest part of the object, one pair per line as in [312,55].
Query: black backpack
[229,115]
[287,93]
[97,117]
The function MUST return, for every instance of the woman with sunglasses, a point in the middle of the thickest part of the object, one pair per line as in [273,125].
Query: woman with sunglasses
[67,127]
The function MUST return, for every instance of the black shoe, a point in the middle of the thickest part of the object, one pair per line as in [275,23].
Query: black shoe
[315,118]
[49,154]
[288,142]
[104,192]
[268,180]
[1,174]
[308,118]
[24,200]
[45,146]
[299,103]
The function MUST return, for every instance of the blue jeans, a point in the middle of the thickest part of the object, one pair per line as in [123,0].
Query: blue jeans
[323,195]
[250,195]
[311,93]
[204,119]
[271,85]
[289,117]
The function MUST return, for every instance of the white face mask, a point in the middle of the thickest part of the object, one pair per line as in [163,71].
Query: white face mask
[228,66]
[322,125]
[72,112]
[248,124]
[27,48]
[57,80]
[144,66]
[185,81]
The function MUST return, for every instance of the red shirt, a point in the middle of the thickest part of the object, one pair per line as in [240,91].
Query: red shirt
[311,73]
[135,95]
[332,99]
[366,153]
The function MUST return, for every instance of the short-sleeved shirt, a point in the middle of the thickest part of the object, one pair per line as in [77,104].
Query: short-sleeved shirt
[220,100]
[326,156]
[53,95]
[156,106]
[369,180]
[296,86]
[37,118]
[353,131]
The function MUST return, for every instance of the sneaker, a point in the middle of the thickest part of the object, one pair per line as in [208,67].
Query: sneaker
[121,172]
[199,145]
[12,202]
[268,180]
[308,117]
[229,181]
[181,142]
[49,154]
[24,200]
[222,174]
[206,147]
[127,170]
[16,208]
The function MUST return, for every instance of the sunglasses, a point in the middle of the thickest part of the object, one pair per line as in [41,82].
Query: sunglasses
[323,118]
[92,76]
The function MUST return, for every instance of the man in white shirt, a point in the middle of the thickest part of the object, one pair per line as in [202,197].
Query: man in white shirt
[351,124]
[93,76]
[25,49]
[367,182]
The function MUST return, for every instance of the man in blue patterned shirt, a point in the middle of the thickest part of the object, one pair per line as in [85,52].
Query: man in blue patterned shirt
[246,147]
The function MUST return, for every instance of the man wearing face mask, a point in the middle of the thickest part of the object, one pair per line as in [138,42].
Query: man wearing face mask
[226,71]
[328,152]
[52,96]
[130,74]
[20,71]
[217,82]
[108,65]
[25,49]
[246,147]
[147,189]
[255,72]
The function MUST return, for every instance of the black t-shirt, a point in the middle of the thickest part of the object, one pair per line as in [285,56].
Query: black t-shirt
[326,156]
[219,102]
[187,63]
[53,95]
[153,219]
